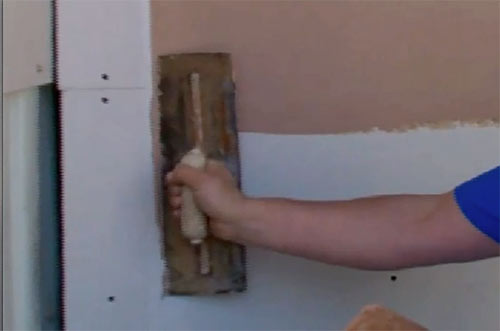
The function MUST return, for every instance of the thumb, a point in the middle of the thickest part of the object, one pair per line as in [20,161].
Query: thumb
[187,175]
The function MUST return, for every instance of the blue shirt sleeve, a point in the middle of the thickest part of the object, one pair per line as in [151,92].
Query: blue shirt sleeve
[479,201]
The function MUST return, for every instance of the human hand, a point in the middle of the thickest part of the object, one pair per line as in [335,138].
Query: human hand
[215,193]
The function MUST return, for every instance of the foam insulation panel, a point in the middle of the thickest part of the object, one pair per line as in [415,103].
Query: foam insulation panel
[113,253]
[103,44]
[113,262]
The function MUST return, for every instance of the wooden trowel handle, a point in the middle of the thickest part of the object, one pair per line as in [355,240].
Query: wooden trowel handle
[193,221]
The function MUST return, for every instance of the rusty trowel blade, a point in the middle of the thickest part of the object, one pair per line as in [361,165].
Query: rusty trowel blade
[177,136]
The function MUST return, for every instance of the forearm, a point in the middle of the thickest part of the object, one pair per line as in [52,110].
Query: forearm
[386,232]
[373,233]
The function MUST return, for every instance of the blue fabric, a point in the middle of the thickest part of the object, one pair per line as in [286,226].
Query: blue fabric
[479,200]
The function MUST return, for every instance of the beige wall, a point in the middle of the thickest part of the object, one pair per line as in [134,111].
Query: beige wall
[323,67]
[27,40]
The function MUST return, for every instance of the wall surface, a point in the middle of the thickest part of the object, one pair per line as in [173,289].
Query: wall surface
[27,40]
[112,250]
[30,221]
[337,66]
[21,233]
[27,63]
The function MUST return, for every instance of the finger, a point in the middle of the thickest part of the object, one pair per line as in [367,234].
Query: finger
[174,190]
[186,175]
[175,202]
[167,178]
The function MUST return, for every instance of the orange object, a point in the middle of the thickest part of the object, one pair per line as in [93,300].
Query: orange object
[375,317]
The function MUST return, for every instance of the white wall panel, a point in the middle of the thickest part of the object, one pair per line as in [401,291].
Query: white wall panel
[99,37]
[112,244]
[111,239]
[27,44]
[352,165]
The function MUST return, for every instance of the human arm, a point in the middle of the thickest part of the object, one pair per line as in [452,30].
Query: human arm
[384,232]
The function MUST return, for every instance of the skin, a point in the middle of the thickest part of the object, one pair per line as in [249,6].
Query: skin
[374,233]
